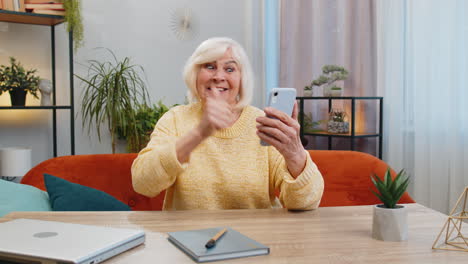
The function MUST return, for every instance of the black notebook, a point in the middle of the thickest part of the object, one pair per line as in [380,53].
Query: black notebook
[231,245]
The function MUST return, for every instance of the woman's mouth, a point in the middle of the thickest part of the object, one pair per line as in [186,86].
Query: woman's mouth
[221,89]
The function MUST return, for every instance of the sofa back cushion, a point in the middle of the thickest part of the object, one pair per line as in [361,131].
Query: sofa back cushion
[347,177]
[109,173]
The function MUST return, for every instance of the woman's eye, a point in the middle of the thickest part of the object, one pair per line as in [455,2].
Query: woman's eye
[209,66]
[230,69]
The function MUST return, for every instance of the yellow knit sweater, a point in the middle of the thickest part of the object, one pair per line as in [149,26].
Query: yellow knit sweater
[228,170]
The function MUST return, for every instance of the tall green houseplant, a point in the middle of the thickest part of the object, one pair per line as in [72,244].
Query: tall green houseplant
[112,92]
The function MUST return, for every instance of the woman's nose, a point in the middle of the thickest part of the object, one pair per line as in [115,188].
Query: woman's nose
[219,76]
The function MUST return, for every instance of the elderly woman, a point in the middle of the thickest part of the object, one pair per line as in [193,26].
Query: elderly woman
[207,155]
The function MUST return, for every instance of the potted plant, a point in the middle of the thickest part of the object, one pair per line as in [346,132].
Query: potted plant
[390,219]
[146,118]
[330,74]
[335,91]
[337,122]
[112,92]
[18,82]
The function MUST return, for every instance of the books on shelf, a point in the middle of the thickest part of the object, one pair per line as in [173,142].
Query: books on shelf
[12,5]
[41,1]
[231,245]
[51,6]
[49,12]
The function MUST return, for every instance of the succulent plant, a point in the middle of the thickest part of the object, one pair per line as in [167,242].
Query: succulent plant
[390,191]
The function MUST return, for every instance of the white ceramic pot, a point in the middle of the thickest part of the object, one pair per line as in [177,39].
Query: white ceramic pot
[327,90]
[335,93]
[390,224]
[308,93]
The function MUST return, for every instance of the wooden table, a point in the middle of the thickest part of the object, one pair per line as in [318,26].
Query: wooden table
[326,235]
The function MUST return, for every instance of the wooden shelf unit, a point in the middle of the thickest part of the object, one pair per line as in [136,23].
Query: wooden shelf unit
[352,134]
[50,21]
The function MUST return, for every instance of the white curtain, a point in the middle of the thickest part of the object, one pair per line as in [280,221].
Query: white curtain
[422,58]
[314,33]
[319,32]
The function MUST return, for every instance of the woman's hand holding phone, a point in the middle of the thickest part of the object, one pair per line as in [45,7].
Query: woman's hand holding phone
[283,132]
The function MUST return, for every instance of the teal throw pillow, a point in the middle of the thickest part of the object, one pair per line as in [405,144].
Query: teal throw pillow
[68,196]
[22,197]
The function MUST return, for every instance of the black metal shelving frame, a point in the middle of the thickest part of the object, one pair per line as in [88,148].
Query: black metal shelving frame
[51,21]
[352,135]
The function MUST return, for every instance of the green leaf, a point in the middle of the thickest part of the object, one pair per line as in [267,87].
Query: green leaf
[388,178]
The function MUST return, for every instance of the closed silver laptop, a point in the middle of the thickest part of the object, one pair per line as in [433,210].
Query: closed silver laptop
[37,241]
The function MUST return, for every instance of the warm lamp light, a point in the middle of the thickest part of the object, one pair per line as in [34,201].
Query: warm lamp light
[14,162]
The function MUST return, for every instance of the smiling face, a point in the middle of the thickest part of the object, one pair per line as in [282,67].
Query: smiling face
[224,75]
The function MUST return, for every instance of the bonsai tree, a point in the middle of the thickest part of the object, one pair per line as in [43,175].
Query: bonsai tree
[330,74]
[146,118]
[16,79]
[390,191]
[112,92]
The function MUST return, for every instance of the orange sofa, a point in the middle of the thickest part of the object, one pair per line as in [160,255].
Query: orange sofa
[346,175]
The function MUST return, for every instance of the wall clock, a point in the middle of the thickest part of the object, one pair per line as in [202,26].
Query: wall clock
[183,23]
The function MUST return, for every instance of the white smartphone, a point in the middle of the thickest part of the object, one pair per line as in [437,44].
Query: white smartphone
[281,99]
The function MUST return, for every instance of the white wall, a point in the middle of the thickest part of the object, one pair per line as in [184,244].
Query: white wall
[140,31]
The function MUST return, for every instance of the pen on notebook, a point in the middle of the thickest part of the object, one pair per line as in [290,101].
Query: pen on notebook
[212,242]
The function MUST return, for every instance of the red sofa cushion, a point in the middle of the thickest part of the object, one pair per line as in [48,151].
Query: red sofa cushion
[106,172]
[347,177]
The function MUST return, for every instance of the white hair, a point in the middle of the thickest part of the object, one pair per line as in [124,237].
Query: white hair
[211,50]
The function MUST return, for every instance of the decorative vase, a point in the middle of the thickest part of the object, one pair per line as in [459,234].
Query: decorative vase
[327,90]
[17,97]
[390,224]
[45,86]
[308,93]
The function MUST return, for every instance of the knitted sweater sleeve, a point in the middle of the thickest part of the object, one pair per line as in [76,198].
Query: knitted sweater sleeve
[156,166]
[302,193]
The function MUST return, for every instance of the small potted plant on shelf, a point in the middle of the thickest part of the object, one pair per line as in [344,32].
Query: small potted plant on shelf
[337,122]
[18,82]
[389,222]
[335,91]
[330,74]
[311,126]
